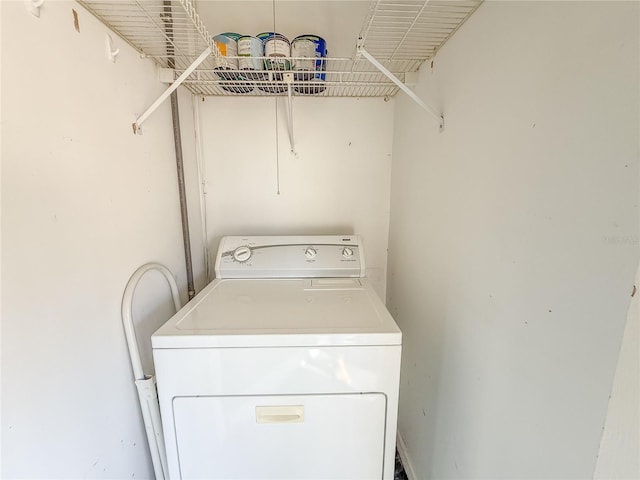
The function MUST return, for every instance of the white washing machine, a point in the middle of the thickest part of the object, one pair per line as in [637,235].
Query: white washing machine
[286,366]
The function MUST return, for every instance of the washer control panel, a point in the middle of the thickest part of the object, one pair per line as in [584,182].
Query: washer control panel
[310,256]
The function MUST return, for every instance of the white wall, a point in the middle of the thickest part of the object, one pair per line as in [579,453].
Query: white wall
[84,203]
[338,181]
[514,239]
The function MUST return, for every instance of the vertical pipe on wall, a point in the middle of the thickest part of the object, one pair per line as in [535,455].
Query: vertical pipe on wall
[177,140]
[184,214]
[197,122]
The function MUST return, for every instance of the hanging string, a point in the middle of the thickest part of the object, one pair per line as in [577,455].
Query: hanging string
[275,99]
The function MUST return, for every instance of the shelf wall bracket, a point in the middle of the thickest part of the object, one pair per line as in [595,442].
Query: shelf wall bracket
[138,123]
[288,79]
[33,6]
[112,52]
[402,86]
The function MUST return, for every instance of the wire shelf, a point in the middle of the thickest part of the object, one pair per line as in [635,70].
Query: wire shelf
[338,77]
[401,34]
[397,30]
[167,31]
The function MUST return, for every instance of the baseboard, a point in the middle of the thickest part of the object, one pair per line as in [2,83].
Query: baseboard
[406,460]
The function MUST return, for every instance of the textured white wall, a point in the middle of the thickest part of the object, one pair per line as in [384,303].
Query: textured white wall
[84,203]
[337,183]
[514,239]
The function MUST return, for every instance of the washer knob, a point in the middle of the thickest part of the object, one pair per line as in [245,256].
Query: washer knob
[242,254]
[347,252]
[310,252]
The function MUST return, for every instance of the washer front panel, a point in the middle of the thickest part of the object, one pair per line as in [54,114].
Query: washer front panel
[281,437]
[225,372]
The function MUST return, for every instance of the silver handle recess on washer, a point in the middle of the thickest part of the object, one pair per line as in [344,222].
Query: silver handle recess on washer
[280,414]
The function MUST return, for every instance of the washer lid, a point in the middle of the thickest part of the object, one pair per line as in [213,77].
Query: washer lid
[281,312]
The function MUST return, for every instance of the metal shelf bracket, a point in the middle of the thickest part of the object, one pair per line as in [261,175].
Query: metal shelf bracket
[33,6]
[288,79]
[401,85]
[112,52]
[138,123]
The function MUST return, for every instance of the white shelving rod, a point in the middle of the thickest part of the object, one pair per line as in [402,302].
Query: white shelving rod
[138,123]
[402,86]
[288,78]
